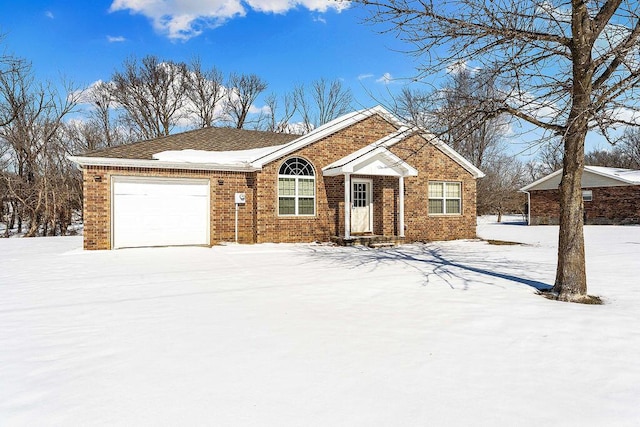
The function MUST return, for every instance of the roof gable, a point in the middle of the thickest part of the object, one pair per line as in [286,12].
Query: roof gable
[593,176]
[325,130]
[378,161]
[453,154]
[404,131]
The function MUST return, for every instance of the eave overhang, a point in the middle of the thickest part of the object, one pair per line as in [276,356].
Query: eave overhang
[157,164]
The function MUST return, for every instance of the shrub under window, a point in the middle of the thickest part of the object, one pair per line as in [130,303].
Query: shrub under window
[445,198]
[296,188]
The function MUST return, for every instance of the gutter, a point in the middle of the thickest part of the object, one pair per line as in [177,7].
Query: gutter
[157,164]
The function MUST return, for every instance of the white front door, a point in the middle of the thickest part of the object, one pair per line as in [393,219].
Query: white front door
[361,207]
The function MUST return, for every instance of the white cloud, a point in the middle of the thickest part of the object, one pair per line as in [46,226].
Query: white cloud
[184,19]
[116,39]
[386,78]
[364,76]
[320,19]
[281,6]
[49,14]
[259,110]
[457,67]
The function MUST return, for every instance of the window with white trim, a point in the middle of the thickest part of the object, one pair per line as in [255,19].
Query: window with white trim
[445,198]
[587,195]
[296,188]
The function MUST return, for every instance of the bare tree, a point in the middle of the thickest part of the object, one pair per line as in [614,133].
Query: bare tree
[281,111]
[609,158]
[205,91]
[498,191]
[100,127]
[151,93]
[452,113]
[550,156]
[416,106]
[9,68]
[31,143]
[570,67]
[101,116]
[630,147]
[327,101]
[242,91]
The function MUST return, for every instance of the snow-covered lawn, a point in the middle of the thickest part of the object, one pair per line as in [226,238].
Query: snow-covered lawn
[443,334]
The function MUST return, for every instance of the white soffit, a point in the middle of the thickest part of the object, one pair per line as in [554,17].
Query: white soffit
[377,161]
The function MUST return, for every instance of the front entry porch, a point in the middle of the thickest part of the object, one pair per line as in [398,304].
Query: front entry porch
[362,171]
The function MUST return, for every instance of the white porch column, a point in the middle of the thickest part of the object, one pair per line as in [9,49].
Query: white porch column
[401,207]
[347,205]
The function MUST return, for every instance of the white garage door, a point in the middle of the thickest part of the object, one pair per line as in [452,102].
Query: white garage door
[159,212]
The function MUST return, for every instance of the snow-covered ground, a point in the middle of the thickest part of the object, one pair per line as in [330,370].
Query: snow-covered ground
[443,334]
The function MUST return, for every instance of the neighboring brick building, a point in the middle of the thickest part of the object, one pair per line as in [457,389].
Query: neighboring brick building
[365,173]
[610,196]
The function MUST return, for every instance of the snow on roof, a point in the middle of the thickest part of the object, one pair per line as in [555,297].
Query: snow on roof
[628,175]
[237,157]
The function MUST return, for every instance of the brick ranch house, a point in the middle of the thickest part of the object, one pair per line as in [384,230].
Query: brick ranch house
[610,196]
[365,173]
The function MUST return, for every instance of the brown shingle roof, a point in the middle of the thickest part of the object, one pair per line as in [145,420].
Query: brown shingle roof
[207,139]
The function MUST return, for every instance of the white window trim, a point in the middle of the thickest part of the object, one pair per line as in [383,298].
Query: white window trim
[296,195]
[444,198]
[589,198]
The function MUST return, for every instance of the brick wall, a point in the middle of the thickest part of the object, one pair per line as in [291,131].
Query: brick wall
[433,165]
[610,205]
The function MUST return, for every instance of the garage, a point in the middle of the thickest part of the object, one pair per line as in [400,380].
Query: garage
[159,212]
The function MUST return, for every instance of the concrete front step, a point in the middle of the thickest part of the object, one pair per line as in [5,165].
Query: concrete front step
[372,241]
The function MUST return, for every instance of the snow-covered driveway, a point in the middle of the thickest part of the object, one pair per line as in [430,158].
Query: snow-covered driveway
[443,334]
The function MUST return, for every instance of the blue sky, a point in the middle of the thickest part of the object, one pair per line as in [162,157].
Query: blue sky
[285,42]
[85,41]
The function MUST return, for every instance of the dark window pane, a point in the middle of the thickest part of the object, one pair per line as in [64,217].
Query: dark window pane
[286,206]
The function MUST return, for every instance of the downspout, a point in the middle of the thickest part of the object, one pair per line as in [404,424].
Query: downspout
[401,207]
[528,206]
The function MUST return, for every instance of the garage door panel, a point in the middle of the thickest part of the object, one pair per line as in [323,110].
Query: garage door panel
[166,212]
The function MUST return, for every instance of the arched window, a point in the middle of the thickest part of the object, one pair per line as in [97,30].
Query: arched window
[296,188]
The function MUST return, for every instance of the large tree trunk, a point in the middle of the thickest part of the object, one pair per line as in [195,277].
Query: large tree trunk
[571,278]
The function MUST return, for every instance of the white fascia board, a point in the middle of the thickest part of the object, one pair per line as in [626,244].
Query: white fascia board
[157,164]
[526,188]
[326,130]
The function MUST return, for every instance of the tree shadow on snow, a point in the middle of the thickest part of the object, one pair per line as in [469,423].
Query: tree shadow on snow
[434,263]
